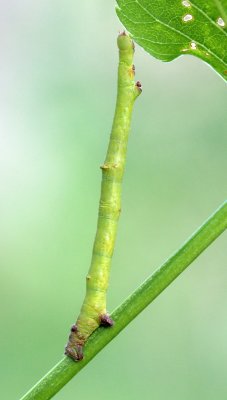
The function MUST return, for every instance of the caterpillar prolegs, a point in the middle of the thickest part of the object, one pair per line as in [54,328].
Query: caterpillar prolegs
[93,312]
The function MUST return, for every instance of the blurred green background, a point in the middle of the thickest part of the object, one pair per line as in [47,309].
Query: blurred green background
[58,85]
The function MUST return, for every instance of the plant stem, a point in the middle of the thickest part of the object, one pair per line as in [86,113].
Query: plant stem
[50,384]
[93,311]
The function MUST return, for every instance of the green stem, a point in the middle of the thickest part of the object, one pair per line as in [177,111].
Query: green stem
[50,384]
[93,311]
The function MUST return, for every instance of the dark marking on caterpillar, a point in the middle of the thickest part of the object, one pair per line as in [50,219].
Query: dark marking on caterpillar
[74,328]
[106,321]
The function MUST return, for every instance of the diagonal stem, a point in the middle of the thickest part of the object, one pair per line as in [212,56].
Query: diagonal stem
[61,373]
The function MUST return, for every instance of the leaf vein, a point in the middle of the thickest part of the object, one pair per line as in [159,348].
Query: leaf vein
[210,19]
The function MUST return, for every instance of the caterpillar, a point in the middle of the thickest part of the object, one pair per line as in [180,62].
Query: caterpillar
[93,312]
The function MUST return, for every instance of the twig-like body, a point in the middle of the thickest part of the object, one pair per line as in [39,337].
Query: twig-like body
[93,312]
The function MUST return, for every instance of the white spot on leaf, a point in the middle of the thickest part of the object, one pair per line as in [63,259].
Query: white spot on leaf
[193,46]
[186,3]
[187,18]
[220,22]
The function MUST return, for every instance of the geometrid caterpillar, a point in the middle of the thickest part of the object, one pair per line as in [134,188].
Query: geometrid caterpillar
[93,312]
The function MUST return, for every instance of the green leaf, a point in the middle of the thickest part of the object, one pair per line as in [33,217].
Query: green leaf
[169,28]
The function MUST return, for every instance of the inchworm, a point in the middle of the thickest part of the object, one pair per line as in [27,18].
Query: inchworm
[93,312]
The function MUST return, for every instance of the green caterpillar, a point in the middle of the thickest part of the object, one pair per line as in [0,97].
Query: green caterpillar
[93,312]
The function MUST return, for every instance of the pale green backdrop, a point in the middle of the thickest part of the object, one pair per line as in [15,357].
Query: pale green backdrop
[58,86]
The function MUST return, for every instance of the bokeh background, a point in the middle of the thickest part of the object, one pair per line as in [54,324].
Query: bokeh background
[58,85]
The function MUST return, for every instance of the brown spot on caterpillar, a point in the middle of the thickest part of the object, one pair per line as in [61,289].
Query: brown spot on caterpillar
[123,33]
[138,87]
[76,354]
[70,353]
[132,71]
[80,355]
[74,328]
[106,321]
